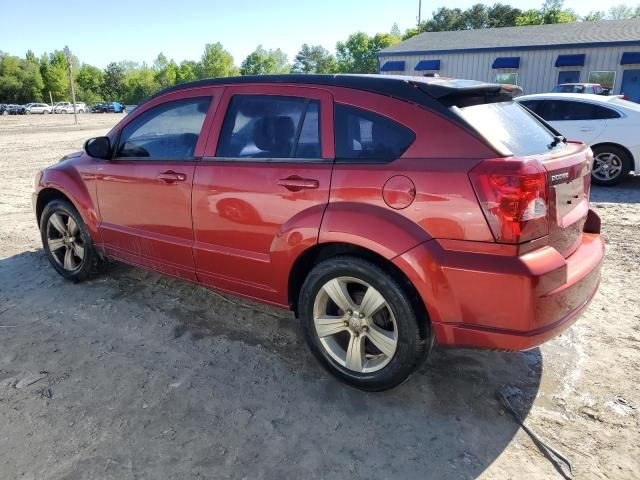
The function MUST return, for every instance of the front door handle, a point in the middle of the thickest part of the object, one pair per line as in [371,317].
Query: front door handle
[586,129]
[171,176]
[296,183]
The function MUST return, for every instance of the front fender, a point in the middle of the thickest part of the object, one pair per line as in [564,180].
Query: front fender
[378,229]
[78,185]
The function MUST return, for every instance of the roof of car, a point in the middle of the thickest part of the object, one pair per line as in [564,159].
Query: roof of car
[528,37]
[581,83]
[399,86]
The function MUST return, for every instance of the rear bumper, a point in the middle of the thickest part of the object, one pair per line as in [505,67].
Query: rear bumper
[493,297]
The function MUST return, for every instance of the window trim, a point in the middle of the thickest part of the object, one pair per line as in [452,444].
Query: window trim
[195,158]
[272,160]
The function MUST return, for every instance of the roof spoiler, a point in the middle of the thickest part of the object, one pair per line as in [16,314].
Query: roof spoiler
[466,93]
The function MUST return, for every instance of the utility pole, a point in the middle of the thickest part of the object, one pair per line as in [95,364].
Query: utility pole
[67,53]
[419,14]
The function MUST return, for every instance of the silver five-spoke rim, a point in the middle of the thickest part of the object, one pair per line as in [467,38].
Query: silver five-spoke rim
[606,166]
[355,324]
[65,241]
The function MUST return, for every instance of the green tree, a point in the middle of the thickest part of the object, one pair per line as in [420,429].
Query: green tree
[552,11]
[20,79]
[216,62]
[166,71]
[187,71]
[395,30]
[476,16]
[446,19]
[501,15]
[594,16]
[53,69]
[314,59]
[358,53]
[89,80]
[113,85]
[261,62]
[139,84]
[619,12]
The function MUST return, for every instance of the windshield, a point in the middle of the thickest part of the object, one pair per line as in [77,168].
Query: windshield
[510,127]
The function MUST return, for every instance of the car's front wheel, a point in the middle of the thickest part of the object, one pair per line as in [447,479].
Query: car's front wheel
[360,323]
[611,165]
[67,242]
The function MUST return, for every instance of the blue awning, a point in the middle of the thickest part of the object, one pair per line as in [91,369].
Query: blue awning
[576,60]
[428,65]
[506,62]
[393,66]
[629,58]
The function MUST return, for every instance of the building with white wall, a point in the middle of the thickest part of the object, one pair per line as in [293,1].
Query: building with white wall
[534,57]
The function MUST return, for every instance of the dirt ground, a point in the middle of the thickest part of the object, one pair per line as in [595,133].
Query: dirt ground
[135,375]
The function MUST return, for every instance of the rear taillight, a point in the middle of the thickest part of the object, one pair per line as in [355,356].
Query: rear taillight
[513,196]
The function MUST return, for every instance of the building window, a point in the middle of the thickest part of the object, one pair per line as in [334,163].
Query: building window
[605,78]
[510,78]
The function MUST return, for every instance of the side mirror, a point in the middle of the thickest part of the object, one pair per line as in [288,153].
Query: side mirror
[98,147]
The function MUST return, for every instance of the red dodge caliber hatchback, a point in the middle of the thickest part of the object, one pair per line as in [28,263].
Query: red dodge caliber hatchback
[387,212]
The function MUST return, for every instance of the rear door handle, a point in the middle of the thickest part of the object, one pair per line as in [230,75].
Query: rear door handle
[586,129]
[295,183]
[171,176]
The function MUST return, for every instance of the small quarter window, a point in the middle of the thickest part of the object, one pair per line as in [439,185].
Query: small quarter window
[169,131]
[365,136]
[270,126]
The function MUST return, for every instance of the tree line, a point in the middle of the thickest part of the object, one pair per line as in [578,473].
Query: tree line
[45,78]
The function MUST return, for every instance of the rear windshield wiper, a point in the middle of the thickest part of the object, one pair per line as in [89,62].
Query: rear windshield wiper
[556,140]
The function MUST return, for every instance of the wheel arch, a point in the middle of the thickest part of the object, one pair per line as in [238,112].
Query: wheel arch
[305,262]
[617,145]
[47,195]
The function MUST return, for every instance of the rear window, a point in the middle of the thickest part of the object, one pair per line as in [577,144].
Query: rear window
[509,126]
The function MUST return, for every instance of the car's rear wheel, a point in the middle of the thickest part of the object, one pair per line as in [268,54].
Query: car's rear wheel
[67,242]
[611,165]
[360,323]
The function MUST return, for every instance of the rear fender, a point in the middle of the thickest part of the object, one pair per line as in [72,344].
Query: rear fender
[378,229]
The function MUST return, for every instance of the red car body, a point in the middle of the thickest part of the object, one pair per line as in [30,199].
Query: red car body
[251,228]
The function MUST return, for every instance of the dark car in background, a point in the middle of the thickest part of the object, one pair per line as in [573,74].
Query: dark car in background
[109,107]
[17,109]
[4,109]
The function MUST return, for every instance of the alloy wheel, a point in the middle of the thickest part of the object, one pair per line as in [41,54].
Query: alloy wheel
[355,324]
[606,166]
[64,240]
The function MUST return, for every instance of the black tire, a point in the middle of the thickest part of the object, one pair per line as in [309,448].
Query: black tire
[412,341]
[622,154]
[91,263]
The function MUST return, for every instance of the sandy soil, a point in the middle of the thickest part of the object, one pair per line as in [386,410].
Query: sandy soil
[142,376]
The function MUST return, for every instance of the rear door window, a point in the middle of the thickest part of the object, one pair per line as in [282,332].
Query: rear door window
[168,131]
[364,136]
[566,110]
[270,127]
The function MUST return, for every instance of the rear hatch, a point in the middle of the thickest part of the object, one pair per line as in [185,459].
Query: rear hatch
[569,182]
[530,152]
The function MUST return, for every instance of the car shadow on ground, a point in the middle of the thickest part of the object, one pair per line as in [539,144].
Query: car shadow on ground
[627,191]
[444,422]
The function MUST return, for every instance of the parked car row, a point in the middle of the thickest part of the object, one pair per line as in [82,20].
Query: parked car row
[61,108]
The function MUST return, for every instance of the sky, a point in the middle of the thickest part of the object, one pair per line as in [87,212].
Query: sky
[114,30]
